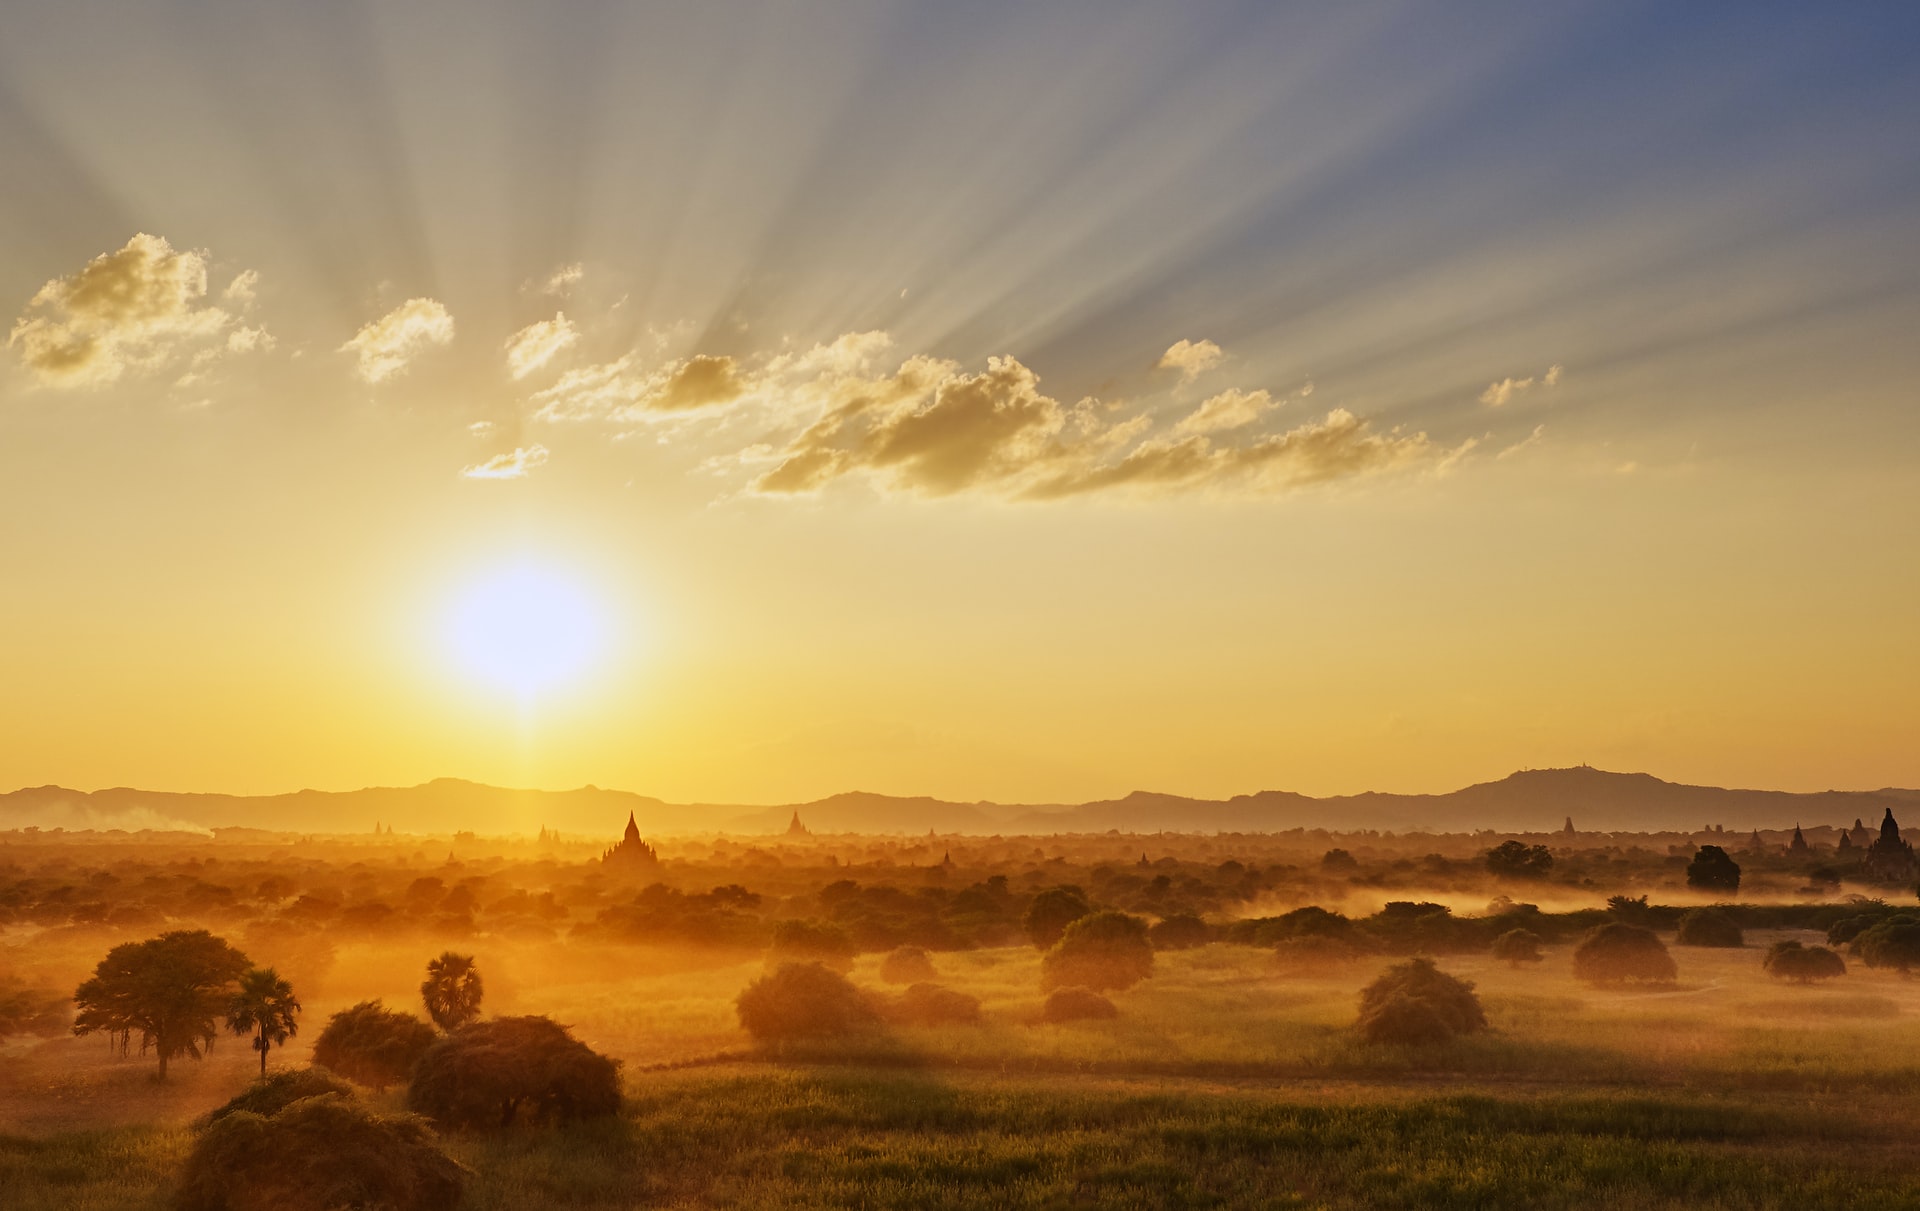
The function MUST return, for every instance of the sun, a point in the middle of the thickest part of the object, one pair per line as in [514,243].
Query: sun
[525,629]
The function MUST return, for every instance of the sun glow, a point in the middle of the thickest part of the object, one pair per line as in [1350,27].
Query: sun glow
[525,629]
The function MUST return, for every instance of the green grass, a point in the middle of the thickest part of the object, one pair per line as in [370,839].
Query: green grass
[771,1137]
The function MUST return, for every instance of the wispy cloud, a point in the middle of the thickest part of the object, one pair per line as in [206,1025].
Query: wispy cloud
[1190,358]
[386,346]
[515,465]
[1232,409]
[1499,394]
[539,343]
[136,308]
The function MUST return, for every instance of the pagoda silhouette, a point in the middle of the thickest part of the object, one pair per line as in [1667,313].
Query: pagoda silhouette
[1889,857]
[632,854]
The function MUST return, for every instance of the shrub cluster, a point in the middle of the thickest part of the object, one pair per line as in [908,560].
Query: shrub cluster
[1105,950]
[1517,946]
[1077,1005]
[373,1045]
[1709,927]
[1802,964]
[932,1005]
[803,1001]
[516,1069]
[907,965]
[1416,1004]
[1618,953]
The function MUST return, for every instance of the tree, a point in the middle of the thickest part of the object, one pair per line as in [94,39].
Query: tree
[1077,1005]
[907,965]
[800,1001]
[516,1069]
[1518,860]
[1517,946]
[1051,912]
[1709,927]
[1894,942]
[1712,869]
[372,1044]
[168,989]
[1182,931]
[265,1007]
[1102,951]
[1802,964]
[452,991]
[1618,953]
[1415,1003]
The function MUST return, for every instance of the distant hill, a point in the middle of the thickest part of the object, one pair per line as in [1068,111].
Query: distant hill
[1527,801]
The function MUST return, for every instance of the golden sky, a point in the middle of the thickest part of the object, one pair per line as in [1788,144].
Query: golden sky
[1028,405]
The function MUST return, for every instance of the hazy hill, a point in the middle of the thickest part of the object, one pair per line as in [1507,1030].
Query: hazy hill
[1531,800]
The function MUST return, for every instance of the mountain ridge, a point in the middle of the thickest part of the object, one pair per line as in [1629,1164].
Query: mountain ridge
[1530,800]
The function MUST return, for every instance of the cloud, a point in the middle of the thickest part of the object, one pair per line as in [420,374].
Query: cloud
[384,347]
[1499,394]
[563,279]
[1232,409]
[508,466]
[1190,358]
[537,344]
[1533,439]
[132,309]
[242,288]
[698,382]
[620,391]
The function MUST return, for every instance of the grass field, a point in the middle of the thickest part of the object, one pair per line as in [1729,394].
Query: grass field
[1224,1084]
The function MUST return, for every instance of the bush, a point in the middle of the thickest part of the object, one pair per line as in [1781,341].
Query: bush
[1712,870]
[373,1045]
[270,1095]
[1618,953]
[1051,912]
[1104,951]
[907,965]
[1802,964]
[1517,946]
[317,1154]
[932,1005]
[1183,931]
[1077,1005]
[1416,1004]
[1894,942]
[1709,927]
[801,1001]
[811,942]
[1518,860]
[518,1069]
[1313,954]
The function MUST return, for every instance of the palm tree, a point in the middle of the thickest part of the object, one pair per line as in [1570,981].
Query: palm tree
[265,1007]
[452,991]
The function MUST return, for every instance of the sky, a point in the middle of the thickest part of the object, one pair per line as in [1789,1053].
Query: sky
[750,402]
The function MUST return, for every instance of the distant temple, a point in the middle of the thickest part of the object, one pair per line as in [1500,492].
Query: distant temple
[1755,844]
[1799,843]
[1861,835]
[797,829]
[1845,847]
[1568,830]
[1889,857]
[632,853]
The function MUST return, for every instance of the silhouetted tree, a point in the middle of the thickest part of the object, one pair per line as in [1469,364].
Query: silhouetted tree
[169,990]
[1051,912]
[1633,910]
[516,1069]
[1338,861]
[811,942]
[1802,964]
[269,1095]
[266,1008]
[1618,953]
[372,1044]
[800,1001]
[1894,942]
[1517,946]
[1101,951]
[1709,927]
[452,990]
[1182,931]
[932,1005]
[1415,1003]
[1518,860]
[1712,869]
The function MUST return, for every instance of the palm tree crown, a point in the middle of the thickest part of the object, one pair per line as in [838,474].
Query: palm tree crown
[452,991]
[265,1007]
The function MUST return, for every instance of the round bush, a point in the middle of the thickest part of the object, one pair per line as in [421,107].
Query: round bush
[1894,943]
[271,1094]
[1077,1005]
[1183,931]
[1051,912]
[1517,946]
[1618,953]
[1802,964]
[1416,1003]
[373,1045]
[1709,927]
[907,965]
[811,942]
[802,1001]
[318,1154]
[1103,951]
[932,1005]
[506,1070]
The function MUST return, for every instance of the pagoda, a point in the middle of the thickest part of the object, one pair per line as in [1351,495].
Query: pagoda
[1889,857]
[632,854]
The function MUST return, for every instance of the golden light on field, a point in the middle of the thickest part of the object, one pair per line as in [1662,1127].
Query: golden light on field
[525,628]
